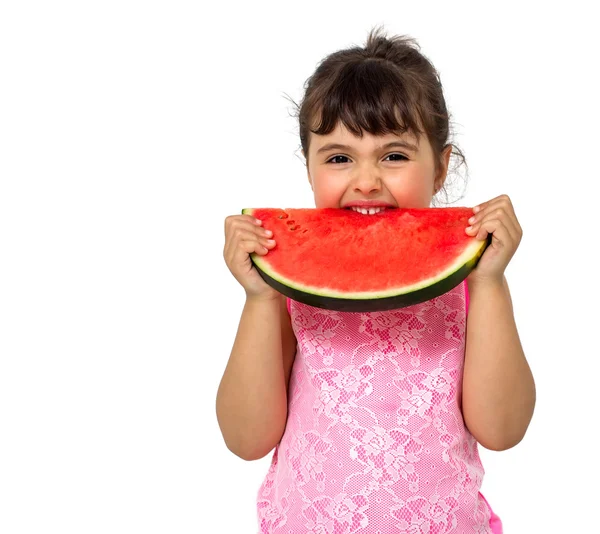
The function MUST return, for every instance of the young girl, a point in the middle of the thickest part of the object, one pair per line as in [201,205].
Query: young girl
[376,417]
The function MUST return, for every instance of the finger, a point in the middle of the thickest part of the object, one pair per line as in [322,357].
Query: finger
[233,221]
[264,249]
[246,235]
[499,214]
[235,226]
[238,259]
[500,198]
[236,221]
[499,231]
[234,233]
[246,247]
[503,202]
[499,209]
[499,202]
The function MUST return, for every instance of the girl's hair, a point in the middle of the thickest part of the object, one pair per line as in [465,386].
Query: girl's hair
[386,87]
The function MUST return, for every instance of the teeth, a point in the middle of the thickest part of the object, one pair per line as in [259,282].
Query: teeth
[367,211]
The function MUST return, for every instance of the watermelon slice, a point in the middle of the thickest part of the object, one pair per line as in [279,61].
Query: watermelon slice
[343,260]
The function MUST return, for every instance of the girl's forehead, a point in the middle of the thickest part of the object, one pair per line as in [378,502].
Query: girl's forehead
[342,134]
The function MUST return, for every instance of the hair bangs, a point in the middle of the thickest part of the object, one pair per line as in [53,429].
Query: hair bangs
[369,97]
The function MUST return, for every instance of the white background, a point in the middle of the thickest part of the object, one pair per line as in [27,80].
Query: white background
[129,130]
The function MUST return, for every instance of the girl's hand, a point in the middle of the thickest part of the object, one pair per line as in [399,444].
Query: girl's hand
[243,235]
[496,217]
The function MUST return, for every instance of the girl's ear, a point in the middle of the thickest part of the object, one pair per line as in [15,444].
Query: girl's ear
[444,163]
[309,179]
[307,171]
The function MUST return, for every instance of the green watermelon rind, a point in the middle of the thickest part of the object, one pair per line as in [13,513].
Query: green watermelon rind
[365,301]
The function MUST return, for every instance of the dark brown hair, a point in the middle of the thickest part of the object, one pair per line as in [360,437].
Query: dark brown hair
[386,87]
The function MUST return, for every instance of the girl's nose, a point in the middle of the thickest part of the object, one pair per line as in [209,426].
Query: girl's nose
[367,181]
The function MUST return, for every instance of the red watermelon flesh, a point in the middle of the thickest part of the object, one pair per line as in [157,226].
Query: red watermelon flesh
[342,259]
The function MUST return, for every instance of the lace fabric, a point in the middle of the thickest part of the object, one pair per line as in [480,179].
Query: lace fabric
[375,442]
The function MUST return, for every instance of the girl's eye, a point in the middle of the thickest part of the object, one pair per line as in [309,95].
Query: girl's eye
[400,157]
[334,157]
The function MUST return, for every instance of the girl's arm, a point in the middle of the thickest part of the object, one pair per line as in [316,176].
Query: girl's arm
[252,396]
[498,388]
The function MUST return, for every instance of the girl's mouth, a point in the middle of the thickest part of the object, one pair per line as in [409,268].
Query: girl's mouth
[367,211]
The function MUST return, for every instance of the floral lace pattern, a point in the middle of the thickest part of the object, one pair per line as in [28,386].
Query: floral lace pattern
[375,441]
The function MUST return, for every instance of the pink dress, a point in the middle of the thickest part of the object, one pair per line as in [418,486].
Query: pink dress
[375,441]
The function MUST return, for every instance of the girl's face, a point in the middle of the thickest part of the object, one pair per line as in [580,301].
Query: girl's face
[371,171]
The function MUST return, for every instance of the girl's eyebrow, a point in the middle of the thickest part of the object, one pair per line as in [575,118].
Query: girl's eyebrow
[337,146]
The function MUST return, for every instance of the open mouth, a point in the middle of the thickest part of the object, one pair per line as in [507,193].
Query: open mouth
[368,211]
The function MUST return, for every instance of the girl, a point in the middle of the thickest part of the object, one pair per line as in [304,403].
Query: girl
[376,417]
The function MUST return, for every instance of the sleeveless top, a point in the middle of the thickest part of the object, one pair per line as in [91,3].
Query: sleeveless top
[375,441]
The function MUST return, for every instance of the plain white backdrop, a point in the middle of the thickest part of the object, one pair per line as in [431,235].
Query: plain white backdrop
[129,130]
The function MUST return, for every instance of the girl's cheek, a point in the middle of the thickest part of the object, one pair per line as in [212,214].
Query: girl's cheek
[327,194]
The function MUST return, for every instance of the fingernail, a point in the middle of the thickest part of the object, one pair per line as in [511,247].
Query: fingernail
[472,220]
[258,221]
[476,209]
[268,232]
[469,228]
[271,241]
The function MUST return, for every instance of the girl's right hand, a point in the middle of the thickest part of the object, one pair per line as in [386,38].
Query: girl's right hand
[244,235]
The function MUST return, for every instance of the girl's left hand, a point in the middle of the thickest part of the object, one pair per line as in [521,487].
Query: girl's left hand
[496,217]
